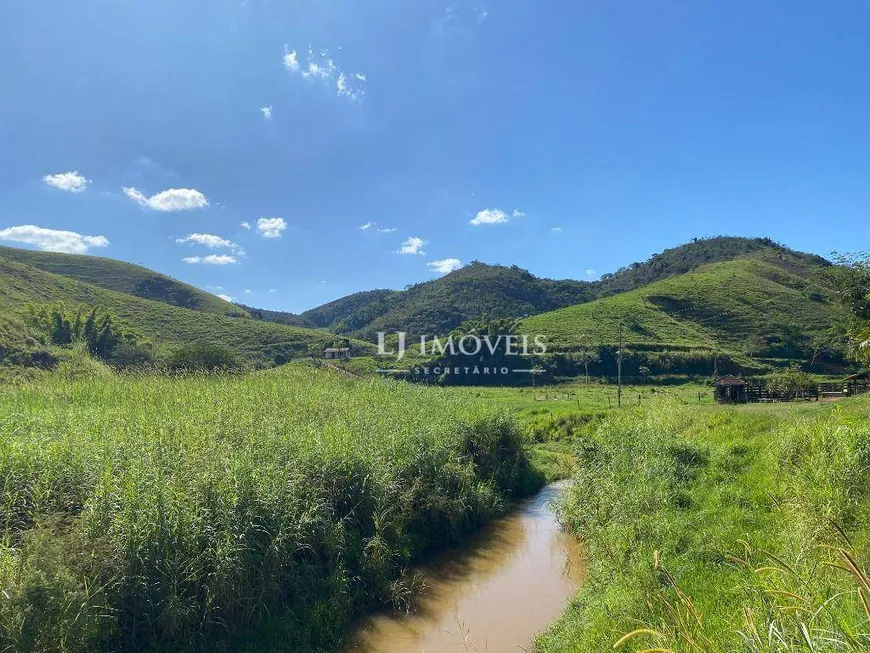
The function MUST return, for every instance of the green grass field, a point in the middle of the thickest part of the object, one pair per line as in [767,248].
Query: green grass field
[722,529]
[232,513]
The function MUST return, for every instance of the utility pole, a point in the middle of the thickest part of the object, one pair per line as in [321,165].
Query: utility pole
[619,370]
[715,360]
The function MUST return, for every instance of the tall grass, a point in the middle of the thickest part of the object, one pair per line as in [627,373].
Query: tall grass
[231,513]
[722,530]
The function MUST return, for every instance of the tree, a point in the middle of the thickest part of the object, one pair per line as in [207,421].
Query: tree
[587,353]
[851,280]
[792,382]
[101,332]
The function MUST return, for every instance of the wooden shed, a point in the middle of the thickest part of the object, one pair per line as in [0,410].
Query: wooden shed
[729,389]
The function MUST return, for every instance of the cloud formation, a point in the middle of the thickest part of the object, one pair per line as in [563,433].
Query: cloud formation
[271,227]
[489,216]
[71,182]
[323,67]
[245,225]
[445,265]
[412,246]
[227,298]
[267,112]
[518,214]
[381,230]
[212,259]
[172,199]
[210,240]
[52,240]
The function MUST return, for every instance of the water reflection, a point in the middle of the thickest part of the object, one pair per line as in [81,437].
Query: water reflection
[493,594]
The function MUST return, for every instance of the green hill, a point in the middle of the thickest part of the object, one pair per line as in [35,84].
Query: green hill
[440,305]
[123,277]
[167,326]
[436,307]
[768,302]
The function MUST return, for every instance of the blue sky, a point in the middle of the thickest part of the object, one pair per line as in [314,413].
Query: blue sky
[569,138]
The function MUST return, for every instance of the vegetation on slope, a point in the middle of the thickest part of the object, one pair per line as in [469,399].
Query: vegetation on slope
[197,513]
[756,306]
[166,326]
[719,530]
[438,306]
[124,278]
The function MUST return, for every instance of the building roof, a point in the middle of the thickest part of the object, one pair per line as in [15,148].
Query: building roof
[337,349]
[728,379]
[859,376]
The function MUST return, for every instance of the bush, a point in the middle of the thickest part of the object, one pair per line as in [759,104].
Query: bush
[204,357]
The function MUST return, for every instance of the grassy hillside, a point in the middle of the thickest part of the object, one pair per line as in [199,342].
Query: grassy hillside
[722,530]
[123,277]
[765,302]
[438,306]
[167,326]
[225,513]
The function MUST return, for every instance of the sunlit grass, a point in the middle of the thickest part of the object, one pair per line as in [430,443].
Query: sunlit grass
[167,513]
[722,529]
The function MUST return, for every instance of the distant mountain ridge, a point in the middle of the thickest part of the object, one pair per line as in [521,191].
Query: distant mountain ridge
[440,305]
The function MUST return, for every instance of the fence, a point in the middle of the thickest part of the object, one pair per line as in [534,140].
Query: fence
[759,393]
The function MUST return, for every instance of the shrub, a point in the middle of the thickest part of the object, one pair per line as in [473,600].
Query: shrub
[200,357]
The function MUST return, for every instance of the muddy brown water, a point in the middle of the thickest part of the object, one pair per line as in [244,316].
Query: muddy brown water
[493,594]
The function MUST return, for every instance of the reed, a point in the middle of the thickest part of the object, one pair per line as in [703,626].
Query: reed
[215,512]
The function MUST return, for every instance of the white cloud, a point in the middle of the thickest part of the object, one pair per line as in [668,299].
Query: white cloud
[247,291]
[172,199]
[210,240]
[590,272]
[271,227]
[556,229]
[490,216]
[445,265]
[380,230]
[267,112]
[518,214]
[52,240]
[323,67]
[227,298]
[245,225]
[212,259]
[412,246]
[291,62]
[72,182]
[273,290]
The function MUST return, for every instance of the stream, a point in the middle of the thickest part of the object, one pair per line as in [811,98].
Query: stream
[495,593]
